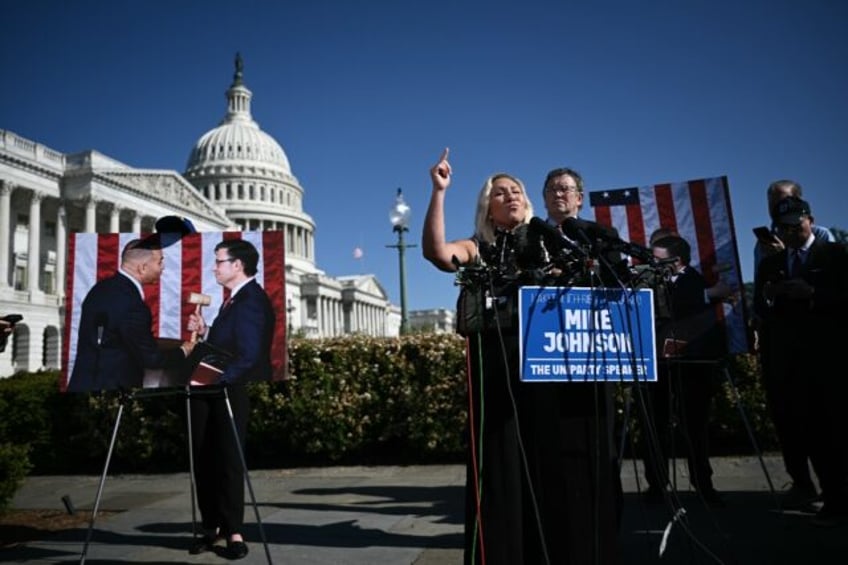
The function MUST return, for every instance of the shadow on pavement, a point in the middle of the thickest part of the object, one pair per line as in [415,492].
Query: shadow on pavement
[749,530]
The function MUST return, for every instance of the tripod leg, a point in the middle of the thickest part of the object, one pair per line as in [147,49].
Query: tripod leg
[247,476]
[191,465]
[738,398]
[102,482]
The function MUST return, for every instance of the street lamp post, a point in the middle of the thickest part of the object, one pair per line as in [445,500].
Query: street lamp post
[399,217]
[289,311]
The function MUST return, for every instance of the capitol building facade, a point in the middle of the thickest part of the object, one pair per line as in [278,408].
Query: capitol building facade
[237,178]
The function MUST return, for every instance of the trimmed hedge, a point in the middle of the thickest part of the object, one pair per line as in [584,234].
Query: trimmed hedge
[349,400]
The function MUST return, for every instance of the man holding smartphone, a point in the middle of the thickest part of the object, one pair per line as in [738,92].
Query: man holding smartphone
[800,294]
[768,240]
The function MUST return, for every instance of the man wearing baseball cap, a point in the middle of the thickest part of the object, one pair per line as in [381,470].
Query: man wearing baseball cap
[797,291]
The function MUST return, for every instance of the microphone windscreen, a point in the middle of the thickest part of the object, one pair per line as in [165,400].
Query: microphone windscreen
[552,237]
[574,227]
[571,227]
[540,226]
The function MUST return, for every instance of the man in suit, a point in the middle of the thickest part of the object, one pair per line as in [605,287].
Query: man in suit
[244,328]
[794,450]
[116,342]
[571,426]
[689,341]
[798,291]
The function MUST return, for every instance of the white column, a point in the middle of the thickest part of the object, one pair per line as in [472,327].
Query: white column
[34,247]
[91,215]
[136,222]
[299,248]
[338,317]
[5,234]
[61,247]
[354,326]
[115,219]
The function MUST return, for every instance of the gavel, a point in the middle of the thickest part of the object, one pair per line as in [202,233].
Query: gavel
[200,300]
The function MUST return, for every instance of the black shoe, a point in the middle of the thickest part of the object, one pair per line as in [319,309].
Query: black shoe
[830,516]
[202,544]
[235,550]
[800,497]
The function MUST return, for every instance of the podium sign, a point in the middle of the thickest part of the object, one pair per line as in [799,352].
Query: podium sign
[586,334]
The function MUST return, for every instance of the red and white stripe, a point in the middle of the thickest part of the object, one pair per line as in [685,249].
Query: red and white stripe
[188,268]
[700,211]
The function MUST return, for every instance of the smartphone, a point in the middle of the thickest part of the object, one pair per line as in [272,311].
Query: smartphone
[12,318]
[764,235]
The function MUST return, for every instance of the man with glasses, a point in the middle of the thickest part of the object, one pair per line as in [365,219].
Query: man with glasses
[798,290]
[583,489]
[563,194]
[777,191]
[244,328]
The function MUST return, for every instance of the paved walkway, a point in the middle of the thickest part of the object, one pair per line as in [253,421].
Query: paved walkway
[410,515]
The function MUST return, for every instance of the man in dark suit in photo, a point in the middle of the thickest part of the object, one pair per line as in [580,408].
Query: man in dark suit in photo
[116,342]
[243,328]
[798,292]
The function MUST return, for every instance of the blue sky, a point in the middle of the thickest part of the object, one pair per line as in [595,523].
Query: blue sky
[363,96]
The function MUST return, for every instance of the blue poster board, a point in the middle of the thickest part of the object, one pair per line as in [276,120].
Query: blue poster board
[586,334]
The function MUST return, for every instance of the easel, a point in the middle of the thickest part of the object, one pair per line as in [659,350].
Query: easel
[721,364]
[189,392]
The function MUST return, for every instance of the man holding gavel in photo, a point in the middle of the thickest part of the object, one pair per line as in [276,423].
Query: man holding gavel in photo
[243,329]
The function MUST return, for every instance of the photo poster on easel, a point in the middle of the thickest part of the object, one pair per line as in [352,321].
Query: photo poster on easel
[700,212]
[188,272]
[577,334]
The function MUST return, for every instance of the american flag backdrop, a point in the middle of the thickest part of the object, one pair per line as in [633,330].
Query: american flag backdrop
[188,268]
[699,210]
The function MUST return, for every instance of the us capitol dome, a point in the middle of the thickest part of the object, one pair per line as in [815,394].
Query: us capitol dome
[246,173]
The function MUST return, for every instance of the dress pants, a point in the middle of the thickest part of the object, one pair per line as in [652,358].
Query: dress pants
[682,395]
[218,469]
[784,374]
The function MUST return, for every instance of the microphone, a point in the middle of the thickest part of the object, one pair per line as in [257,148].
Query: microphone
[552,237]
[592,232]
[583,230]
[100,320]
